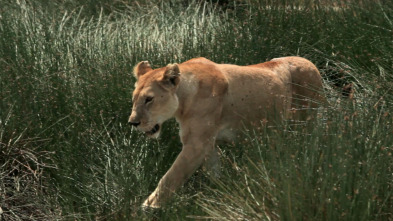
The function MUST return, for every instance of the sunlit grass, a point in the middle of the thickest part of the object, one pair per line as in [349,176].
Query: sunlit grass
[65,90]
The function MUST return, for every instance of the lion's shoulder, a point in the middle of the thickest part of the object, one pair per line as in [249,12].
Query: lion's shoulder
[200,60]
[207,75]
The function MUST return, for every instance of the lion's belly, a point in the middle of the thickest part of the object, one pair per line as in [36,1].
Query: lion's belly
[226,135]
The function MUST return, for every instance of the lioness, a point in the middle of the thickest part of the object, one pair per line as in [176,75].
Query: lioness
[213,101]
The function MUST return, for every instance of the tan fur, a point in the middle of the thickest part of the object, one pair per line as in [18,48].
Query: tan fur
[214,101]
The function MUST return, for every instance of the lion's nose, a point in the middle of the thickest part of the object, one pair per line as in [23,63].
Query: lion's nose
[133,123]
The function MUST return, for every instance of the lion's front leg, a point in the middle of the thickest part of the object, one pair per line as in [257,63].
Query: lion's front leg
[190,158]
[212,162]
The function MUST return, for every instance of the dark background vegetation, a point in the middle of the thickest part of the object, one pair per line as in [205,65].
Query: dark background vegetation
[66,151]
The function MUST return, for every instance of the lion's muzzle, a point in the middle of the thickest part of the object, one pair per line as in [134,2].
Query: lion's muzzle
[155,129]
[134,123]
[134,120]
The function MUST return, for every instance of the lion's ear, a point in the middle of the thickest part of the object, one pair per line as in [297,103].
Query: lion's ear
[171,75]
[142,68]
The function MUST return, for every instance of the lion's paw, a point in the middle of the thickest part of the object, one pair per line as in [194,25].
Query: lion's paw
[151,202]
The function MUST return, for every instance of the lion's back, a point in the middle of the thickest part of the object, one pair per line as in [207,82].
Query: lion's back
[255,92]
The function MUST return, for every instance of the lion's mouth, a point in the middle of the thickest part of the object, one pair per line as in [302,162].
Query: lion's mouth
[155,129]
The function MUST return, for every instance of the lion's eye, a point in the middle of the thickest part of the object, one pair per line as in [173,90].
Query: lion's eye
[148,99]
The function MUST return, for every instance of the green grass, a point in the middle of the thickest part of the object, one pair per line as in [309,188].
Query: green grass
[65,90]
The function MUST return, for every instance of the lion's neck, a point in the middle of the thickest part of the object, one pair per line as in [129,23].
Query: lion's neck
[187,89]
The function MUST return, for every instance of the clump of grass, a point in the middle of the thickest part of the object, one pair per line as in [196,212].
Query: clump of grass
[23,176]
[246,193]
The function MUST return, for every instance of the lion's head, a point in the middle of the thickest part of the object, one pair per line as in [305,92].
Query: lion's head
[154,97]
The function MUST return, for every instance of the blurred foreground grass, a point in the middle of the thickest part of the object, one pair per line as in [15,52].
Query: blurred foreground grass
[65,90]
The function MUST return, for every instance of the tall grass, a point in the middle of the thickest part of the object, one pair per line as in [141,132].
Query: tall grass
[340,170]
[65,86]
